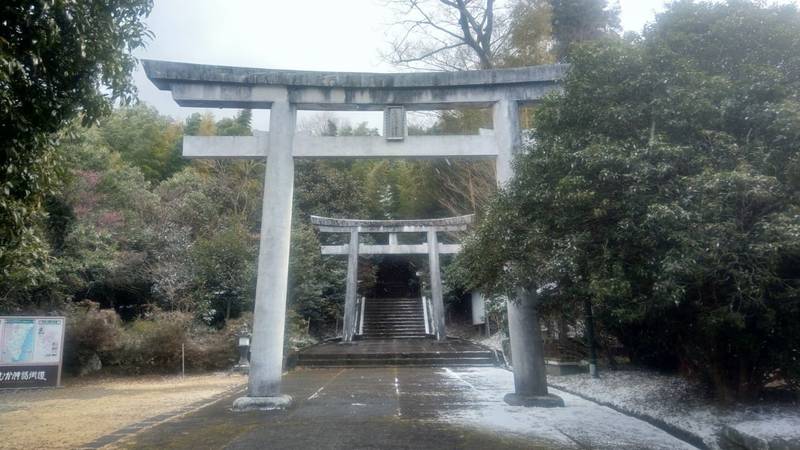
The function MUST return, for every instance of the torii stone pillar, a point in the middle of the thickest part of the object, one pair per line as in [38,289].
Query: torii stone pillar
[437,293]
[351,289]
[266,350]
[527,350]
[285,91]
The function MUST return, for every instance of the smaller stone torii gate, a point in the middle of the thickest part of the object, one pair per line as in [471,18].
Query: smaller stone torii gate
[432,248]
[284,92]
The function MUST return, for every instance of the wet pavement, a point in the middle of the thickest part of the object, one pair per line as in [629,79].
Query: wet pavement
[402,407]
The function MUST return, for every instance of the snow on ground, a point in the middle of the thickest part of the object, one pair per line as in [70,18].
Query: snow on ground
[786,429]
[581,424]
[678,403]
[494,341]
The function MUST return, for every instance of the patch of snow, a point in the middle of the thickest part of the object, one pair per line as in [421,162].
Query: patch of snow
[786,428]
[580,424]
[673,401]
[494,341]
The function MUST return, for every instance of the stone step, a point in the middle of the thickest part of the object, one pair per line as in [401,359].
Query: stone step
[406,355]
[418,321]
[389,318]
[392,361]
[393,329]
[391,305]
[394,302]
[406,330]
[391,308]
[393,313]
[394,320]
[392,335]
[396,314]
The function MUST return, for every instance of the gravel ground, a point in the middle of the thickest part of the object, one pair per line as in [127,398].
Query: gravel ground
[86,409]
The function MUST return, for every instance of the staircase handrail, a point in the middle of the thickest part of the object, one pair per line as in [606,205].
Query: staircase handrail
[361,302]
[430,326]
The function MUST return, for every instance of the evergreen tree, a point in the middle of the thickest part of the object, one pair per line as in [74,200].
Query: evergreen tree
[662,186]
[576,21]
[58,60]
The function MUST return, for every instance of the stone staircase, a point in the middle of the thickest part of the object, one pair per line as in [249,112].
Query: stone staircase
[397,352]
[394,335]
[393,318]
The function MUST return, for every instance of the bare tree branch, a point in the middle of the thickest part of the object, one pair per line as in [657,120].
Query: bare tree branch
[447,34]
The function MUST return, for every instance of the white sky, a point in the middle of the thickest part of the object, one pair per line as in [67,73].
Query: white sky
[345,35]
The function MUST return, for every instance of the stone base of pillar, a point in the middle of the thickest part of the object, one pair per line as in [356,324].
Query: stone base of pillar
[538,401]
[243,404]
[242,368]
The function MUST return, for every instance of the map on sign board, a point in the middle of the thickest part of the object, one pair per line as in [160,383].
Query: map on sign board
[30,340]
[19,339]
[48,341]
[30,351]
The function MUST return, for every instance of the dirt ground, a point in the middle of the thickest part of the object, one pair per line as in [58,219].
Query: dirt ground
[86,409]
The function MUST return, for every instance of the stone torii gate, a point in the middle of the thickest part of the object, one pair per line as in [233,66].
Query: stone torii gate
[284,92]
[431,247]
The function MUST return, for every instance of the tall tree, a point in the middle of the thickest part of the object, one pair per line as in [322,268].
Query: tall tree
[58,60]
[531,34]
[236,126]
[662,185]
[145,139]
[458,35]
[448,34]
[576,21]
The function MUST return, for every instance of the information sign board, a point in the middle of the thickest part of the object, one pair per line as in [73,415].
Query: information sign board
[31,351]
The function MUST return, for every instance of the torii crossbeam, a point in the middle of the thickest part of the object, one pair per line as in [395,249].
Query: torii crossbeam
[284,92]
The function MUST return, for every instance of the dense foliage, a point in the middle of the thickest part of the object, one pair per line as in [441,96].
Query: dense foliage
[136,228]
[663,185]
[57,60]
[576,21]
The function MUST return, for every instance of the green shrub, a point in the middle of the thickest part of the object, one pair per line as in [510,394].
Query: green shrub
[92,335]
[153,344]
[212,349]
[96,338]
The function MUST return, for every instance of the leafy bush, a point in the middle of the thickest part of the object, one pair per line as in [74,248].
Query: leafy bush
[153,344]
[97,338]
[92,334]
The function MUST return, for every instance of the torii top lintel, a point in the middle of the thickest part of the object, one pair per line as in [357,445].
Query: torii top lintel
[393,227]
[332,225]
[201,85]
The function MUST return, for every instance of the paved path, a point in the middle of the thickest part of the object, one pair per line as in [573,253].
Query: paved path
[413,408]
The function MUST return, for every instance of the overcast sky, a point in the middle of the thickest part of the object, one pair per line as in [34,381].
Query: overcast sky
[343,35]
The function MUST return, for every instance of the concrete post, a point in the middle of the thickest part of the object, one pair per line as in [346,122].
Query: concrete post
[266,359]
[530,382]
[349,327]
[505,116]
[436,286]
[530,378]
